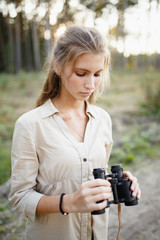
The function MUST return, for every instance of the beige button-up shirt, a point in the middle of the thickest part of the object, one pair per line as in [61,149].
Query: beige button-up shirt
[48,160]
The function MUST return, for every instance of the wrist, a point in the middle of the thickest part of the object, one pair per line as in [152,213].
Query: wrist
[60,204]
[68,204]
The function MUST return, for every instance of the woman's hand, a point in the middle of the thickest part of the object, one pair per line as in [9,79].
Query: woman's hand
[90,192]
[136,192]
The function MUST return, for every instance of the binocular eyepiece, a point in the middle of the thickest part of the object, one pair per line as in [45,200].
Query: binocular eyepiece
[120,187]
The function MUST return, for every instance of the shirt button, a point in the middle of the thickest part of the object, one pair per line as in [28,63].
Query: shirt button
[84,159]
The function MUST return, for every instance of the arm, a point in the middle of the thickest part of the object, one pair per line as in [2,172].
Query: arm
[83,200]
[25,163]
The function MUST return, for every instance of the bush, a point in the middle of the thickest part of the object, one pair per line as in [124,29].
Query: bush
[151,104]
[136,146]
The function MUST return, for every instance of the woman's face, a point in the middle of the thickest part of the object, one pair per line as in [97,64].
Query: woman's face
[80,81]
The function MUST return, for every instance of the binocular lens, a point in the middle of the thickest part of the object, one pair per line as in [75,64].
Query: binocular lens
[99,173]
[116,168]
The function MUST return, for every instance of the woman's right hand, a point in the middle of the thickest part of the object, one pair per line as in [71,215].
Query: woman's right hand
[86,198]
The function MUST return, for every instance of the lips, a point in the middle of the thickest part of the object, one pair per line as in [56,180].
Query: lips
[86,94]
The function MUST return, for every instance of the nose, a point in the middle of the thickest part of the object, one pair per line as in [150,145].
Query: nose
[89,83]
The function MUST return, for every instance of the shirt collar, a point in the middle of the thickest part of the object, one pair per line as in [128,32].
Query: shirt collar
[48,109]
[90,109]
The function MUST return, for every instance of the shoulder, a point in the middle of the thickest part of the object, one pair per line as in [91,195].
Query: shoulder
[28,118]
[100,113]
[104,121]
[36,115]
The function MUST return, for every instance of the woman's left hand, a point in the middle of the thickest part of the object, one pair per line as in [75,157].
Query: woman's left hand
[136,192]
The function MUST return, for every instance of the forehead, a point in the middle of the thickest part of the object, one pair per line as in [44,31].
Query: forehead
[90,60]
[86,61]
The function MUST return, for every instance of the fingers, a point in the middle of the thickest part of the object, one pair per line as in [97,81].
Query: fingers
[99,190]
[135,188]
[128,175]
[99,206]
[139,194]
[89,193]
[136,192]
[96,187]
[100,197]
[96,183]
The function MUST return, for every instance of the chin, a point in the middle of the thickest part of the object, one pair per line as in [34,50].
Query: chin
[81,98]
[84,98]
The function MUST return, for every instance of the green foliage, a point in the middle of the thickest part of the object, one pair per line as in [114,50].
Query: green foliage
[5,81]
[5,163]
[17,94]
[5,146]
[151,104]
[135,147]
[104,101]
[10,224]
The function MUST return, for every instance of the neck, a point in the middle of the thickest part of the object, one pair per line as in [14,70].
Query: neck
[69,105]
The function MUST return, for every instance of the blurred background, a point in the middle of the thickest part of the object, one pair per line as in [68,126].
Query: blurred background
[28,29]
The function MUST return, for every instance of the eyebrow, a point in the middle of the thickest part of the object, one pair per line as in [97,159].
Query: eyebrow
[87,69]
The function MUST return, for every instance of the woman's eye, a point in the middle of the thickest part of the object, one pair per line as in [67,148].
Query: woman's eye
[83,74]
[97,75]
[80,74]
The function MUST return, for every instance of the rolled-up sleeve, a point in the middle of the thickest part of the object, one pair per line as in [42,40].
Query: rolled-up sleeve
[23,196]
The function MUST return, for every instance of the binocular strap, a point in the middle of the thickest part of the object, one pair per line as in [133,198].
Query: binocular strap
[119,219]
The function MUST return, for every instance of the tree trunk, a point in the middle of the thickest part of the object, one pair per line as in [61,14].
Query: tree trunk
[18,59]
[124,59]
[148,60]
[157,55]
[139,61]
[10,47]
[28,50]
[36,50]
[157,61]
[47,41]
[3,58]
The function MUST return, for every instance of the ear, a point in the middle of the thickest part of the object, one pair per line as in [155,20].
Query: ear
[57,70]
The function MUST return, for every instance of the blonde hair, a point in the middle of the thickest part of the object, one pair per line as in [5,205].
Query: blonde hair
[75,41]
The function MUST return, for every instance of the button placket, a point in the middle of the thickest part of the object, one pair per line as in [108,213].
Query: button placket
[84,216]
[84,224]
[84,169]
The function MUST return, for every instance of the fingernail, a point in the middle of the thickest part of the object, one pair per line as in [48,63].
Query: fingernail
[134,194]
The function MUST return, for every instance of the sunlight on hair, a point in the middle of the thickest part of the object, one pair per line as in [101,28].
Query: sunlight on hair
[60,30]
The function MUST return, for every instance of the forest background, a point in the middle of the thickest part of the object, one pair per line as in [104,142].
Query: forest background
[28,29]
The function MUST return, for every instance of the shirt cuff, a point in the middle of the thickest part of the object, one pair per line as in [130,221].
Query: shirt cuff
[31,205]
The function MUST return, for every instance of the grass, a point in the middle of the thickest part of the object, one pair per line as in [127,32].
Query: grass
[5,168]
[19,93]
[151,105]
[136,146]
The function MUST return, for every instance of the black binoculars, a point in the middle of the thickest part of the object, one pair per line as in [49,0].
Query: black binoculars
[120,187]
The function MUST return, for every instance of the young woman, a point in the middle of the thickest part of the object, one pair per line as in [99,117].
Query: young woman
[57,145]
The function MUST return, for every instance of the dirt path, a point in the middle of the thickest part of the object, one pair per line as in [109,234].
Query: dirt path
[141,222]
